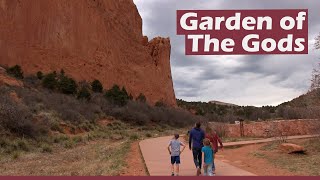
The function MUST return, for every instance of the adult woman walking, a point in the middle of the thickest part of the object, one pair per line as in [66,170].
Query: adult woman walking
[215,140]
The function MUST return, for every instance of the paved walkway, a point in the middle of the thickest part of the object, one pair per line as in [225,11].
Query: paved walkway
[157,158]
[240,143]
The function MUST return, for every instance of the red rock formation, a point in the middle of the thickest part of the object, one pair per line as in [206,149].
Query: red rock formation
[89,39]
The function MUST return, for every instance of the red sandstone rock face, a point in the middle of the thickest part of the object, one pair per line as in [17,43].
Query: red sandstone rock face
[89,39]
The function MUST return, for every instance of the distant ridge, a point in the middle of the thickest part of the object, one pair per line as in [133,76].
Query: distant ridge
[222,103]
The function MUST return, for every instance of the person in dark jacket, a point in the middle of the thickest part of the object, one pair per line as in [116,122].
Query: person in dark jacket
[195,144]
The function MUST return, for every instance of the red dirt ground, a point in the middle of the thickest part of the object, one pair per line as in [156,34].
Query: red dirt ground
[243,158]
[136,166]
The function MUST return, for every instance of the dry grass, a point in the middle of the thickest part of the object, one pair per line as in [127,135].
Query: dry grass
[301,164]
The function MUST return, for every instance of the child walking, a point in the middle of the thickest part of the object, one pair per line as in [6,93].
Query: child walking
[174,149]
[208,154]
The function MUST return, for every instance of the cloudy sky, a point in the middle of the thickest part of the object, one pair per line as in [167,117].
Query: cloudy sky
[239,79]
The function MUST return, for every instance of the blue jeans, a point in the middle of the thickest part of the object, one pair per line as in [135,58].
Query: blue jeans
[208,169]
[197,157]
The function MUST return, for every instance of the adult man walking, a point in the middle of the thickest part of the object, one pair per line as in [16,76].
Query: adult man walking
[195,144]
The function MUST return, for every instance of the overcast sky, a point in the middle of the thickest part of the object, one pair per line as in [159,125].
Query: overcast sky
[239,79]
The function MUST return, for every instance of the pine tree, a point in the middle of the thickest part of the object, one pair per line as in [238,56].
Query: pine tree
[96,86]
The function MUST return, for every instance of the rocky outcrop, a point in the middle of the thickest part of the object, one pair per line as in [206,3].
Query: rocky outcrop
[7,80]
[291,148]
[89,39]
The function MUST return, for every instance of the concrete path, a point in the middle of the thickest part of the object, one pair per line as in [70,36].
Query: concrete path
[240,143]
[157,158]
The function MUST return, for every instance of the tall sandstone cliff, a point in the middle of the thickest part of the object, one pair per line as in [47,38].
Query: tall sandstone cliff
[89,39]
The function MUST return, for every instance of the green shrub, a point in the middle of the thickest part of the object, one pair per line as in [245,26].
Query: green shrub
[15,155]
[15,71]
[141,98]
[61,138]
[84,94]
[50,81]
[77,139]
[46,148]
[69,144]
[56,127]
[97,86]
[117,96]
[160,104]
[22,145]
[67,85]
[40,75]
[134,137]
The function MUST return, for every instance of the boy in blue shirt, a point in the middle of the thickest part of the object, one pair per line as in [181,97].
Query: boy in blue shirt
[208,154]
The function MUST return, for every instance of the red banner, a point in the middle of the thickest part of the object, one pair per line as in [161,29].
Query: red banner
[229,32]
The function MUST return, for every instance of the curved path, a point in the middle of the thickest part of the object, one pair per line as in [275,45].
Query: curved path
[157,160]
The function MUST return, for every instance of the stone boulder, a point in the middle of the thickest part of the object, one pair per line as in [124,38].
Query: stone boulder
[291,148]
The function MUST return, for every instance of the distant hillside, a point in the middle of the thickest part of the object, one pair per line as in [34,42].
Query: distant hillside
[306,106]
[306,100]
[222,103]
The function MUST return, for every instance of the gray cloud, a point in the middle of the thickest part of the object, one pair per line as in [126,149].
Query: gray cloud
[241,79]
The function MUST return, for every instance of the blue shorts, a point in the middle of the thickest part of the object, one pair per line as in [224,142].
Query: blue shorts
[175,159]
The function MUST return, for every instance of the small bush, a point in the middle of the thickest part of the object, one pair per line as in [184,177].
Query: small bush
[46,148]
[67,85]
[22,145]
[84,94]
[117,96]
[141,98]
[77,139]
[55,126]
[160,104]
[15,155]
[61,138]
[69,144]
[134,137]
[15,71]
[17,118]
[148,135]
[50,81]
[40,75]
[97,86]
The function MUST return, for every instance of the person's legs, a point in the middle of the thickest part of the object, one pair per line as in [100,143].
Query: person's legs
[213,168]
[205,170]
[199,157]
[209,170]
[177,169]
[177,165]
[172,167]
[195,157]
[196,154]
[214,165]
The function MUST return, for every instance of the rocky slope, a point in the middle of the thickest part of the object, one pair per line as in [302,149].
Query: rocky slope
[89,39]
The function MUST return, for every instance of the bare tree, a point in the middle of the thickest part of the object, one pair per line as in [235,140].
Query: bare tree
[315,78]
[317,44]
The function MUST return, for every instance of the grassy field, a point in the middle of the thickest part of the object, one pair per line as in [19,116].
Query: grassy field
[301,164]
[100,152]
